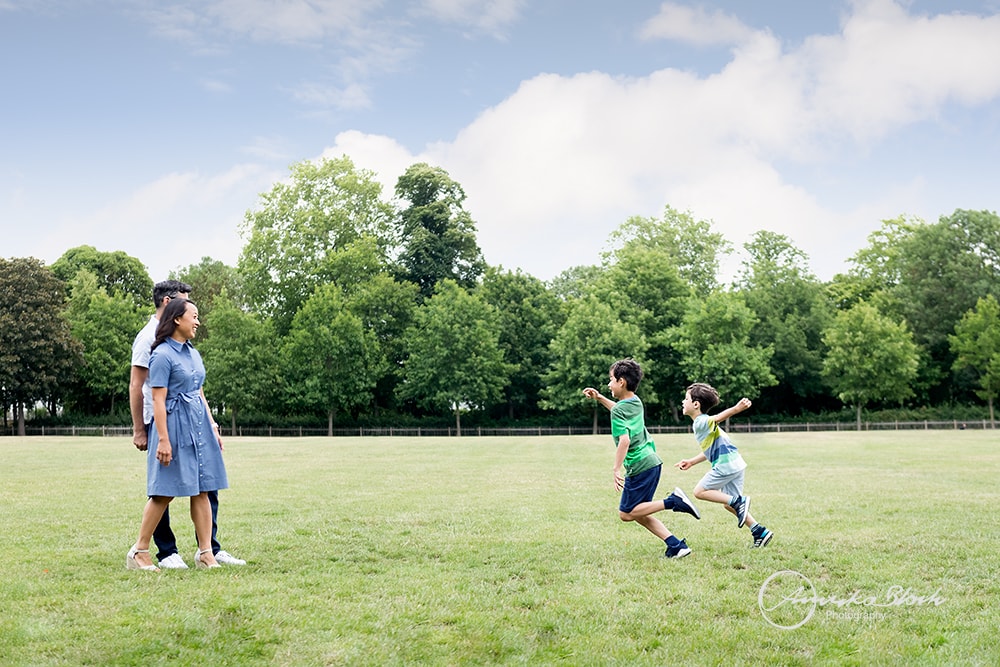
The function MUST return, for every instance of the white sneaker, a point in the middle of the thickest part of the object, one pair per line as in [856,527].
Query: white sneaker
[173,562]
[225,558]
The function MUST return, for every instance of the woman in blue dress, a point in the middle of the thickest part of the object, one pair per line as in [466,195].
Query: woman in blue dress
[185,452]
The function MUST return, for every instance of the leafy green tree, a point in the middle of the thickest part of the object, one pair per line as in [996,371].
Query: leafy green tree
[454,357]
[105,326]
[38,353]
[529,316]
[575,282]
[438,234]
[976,345]
[696,249]
[871,358]
[713,341]
[118,273]
[297,237]
[385,307]
[591,339]
[331,361]
[241,365]
[930,275]
[645,288]
[792,311]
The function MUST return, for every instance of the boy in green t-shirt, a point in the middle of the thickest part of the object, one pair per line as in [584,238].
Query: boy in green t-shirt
[637,465]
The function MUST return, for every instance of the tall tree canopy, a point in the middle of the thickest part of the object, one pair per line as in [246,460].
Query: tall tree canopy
[529,317]
[930,275]
[976,344]
[454,360]
[871,358]
[331,361]
[589,341]
[105,326]
[297,237]
[438,237]
[695,248]
[37,350]
[792,310]
[714,343]
[241,359]
[118,273]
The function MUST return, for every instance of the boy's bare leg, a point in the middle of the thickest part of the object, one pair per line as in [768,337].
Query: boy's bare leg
[714,496]
[643,509]
[654,525]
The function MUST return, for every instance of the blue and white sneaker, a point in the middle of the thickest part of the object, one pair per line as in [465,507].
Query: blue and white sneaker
[742,507]
[679,551]
[761,538]
[686,505]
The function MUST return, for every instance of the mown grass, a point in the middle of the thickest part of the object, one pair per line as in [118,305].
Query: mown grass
[503,551]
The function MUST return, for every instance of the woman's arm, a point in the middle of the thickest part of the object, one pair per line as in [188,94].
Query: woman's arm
[164,452]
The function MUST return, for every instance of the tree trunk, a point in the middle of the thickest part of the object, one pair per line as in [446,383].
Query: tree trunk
[993,423]
[594,427]
[458,421]
[329,422]
[232,420]
[20,418]
[859,416]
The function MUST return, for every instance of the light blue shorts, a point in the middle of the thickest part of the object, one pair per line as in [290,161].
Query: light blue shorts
[731,484]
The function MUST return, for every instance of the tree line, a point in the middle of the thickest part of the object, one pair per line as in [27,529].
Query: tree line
[347,308]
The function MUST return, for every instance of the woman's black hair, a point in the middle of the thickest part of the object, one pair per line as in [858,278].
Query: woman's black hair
[173,310]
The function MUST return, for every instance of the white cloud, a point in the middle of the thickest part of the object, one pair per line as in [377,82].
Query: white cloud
[887,67]
[323,96]
[489,16]
[171,222]
[695,25]
[562,162]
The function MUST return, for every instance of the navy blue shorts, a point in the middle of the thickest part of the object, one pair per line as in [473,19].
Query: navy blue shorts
[640,488]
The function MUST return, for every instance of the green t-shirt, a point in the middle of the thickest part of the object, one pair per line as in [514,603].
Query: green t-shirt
[627,417]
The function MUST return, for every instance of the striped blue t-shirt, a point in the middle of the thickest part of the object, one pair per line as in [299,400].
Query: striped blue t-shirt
[719,451]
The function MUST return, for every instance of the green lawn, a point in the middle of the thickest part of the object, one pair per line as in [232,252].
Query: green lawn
[505,551]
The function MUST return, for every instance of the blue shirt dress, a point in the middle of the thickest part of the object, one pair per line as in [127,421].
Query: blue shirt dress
[197,464]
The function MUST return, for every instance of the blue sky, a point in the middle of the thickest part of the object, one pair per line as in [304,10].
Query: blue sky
[152,126]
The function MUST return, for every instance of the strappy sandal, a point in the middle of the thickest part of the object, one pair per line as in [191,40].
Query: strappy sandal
[132,564]
[201,564]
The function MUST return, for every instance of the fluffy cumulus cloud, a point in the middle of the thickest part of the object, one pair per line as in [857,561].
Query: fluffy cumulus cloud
[695,25]
[169,223]
[555,167]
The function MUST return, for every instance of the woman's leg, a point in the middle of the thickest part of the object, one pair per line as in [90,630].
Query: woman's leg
[201,514]
[151,515]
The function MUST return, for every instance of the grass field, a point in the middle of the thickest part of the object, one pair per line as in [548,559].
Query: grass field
[509,551]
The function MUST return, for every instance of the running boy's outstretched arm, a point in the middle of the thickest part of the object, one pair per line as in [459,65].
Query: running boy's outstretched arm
[590,392]
[687,463]
[731,412]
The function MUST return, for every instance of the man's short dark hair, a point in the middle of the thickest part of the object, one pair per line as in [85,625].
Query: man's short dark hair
[168,288]
[629,370]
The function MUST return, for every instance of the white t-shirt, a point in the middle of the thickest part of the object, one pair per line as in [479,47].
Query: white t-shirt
[140,357]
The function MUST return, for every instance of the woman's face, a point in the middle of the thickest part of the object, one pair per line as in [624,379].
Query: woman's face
[187,324]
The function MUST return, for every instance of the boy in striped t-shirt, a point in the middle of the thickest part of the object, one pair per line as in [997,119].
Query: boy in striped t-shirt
[637,465]
[724,482]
